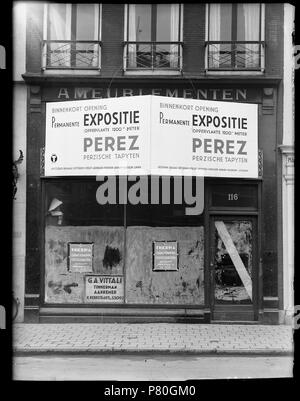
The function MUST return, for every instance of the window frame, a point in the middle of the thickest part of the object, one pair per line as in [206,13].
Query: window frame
[152,70]
[235,71]
[71,11]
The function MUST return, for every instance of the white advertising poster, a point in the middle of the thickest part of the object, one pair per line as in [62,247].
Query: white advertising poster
[141,135]
[203,138]
[104,289]
[98,137]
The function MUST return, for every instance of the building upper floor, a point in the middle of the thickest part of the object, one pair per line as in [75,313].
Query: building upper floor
[166,40]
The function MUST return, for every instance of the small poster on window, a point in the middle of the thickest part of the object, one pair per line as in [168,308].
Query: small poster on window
[104,289]
[80,257]
[165,256]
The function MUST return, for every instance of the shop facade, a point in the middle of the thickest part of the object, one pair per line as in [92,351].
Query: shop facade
[154,261]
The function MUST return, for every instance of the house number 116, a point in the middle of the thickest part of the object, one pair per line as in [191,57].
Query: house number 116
[233,197]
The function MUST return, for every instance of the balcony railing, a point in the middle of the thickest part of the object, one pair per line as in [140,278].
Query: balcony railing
[153,56]
[235,55]
[71,54]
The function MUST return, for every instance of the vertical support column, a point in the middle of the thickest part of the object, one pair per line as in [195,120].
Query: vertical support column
[19,202]
[287,149]
[35,141]
[19,143]
[288,232]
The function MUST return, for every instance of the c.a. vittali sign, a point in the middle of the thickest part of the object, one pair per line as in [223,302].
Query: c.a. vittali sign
[143,135]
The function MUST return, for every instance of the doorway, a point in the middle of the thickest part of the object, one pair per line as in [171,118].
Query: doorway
[233,268]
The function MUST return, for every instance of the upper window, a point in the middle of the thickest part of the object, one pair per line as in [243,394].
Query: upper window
[153,34]
[72,36]
[235,37]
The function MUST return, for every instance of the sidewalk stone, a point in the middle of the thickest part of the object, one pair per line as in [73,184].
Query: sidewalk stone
[152,337]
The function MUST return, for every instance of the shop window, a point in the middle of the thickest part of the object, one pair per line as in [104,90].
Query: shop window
[71,36]
[76,204]
[168,211]
[235,35]
[153,37]
[151,225]
[83,239]
[87,244]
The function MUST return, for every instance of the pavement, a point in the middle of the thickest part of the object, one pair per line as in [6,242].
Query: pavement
[82,338]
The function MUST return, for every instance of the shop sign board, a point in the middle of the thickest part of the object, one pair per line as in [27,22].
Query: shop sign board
[165,256]
[104,289]
[98,137]
[151,135]
[203,138]
[80,257]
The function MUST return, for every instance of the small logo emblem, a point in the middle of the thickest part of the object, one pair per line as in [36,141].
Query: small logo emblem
[53,158]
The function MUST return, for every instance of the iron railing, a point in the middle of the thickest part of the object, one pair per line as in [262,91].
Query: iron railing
[153,56]
[71,54]
[235,55]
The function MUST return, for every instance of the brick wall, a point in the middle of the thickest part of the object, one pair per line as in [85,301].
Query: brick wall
[112,39]
[274,39]
[193,38]
[35,13]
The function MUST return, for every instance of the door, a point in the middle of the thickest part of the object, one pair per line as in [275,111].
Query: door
[233,268]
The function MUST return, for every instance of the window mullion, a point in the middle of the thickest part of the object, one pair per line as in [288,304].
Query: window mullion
[48,37]
[259,37]
[233,35]
[48,23]
[153,33]
[208,23]
[153,22]
[179,23]
[73,34]
[127,28]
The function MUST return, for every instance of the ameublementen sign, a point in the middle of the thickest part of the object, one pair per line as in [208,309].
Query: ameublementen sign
[143,135]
